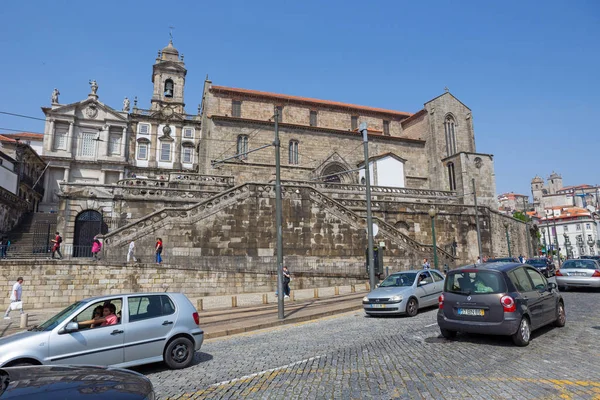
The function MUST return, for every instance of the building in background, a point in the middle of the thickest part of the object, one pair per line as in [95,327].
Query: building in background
[34,140]
[511,202]
[553,194]
[573,230]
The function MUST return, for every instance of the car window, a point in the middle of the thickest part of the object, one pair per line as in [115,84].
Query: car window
[436,276]
[581,264]
[149,306]
[539,282]
[425,276]
[88,312]
[404,279]
[58,318]
[474,282]
[521,280]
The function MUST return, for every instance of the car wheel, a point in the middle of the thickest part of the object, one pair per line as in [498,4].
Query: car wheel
[523,334]
[412,307]
[561,316]
[179,353]
[447,333]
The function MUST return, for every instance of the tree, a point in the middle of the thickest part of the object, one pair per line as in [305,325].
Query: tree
[520,216]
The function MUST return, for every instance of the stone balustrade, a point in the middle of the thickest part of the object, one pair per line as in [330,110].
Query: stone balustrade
[375,190]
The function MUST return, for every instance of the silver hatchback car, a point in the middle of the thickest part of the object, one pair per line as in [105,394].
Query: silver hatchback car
[136,329]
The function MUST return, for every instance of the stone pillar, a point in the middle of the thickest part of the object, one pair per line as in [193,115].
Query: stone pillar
[102,177]
[70,138]
[123,142]
[46,188]
[50,143]
[106,141]
[67,174]
[177,149]
[153,146]
[121,175]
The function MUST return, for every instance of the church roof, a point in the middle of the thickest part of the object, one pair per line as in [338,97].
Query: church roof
[170,49]
[537,179]
[298,99]
[384,155]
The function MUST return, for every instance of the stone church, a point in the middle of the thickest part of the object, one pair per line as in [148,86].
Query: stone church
[204,181]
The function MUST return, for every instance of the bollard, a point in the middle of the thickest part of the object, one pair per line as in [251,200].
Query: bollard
[265,299]
[234,301]
[200,306]
[292,296]
[316,293]
[336,291]
[352,289]
[367,286]
[24,318]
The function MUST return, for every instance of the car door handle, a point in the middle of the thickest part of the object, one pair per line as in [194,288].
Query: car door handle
[116,332]
[168,323]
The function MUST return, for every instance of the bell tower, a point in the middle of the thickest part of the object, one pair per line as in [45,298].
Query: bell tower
[168,76]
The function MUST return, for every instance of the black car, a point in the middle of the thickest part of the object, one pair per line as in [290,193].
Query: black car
[499,299]
[543,265]
[65,382]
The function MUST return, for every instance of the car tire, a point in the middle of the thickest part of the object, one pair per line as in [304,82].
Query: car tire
[522,336]
[179,353]
[412,307]
[21,364]
[561,316]
[448,334]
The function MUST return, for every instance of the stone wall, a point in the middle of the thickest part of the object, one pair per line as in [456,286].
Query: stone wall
[57,284]
[12,210]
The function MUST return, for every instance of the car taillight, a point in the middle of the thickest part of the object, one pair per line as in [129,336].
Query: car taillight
[508,303]
[596,274]
[441,301]
[558,273]
[196,318]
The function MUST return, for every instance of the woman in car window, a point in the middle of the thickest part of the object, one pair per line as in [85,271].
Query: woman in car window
[98,312]
[108,318]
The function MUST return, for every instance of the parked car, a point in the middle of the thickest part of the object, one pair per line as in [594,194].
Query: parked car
[543,265]
[150,327]
[597,258]
[499,299]
[69,382]
[579,273]
[405,293]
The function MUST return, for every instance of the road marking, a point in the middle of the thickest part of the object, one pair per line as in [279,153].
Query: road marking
[427,326]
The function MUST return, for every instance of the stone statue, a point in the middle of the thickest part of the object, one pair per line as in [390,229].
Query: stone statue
[94,86]
[126,105]
[55,94]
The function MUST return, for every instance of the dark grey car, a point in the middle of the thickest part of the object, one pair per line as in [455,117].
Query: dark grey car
[499,299]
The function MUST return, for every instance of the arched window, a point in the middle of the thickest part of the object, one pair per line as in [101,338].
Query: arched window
[449,126]
[451,176]
[293,152]
[169,88]
[242,147]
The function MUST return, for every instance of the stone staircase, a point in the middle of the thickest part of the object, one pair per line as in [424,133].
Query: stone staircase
[32,235]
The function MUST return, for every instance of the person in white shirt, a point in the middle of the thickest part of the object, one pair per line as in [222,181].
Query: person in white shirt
[15,295]
[130,252]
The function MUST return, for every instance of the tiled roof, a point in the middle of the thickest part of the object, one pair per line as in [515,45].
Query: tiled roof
[414,116]
[511,195]
[7,139]
[584,186]
[277,96]
[26,135]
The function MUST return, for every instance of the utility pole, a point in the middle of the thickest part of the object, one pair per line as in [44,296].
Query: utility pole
[477,221]
[278,218]
[363,129]
[556,241]
[528,233]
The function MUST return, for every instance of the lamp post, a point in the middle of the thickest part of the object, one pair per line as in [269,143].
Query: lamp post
[567,245]
[432,213]
[507,238]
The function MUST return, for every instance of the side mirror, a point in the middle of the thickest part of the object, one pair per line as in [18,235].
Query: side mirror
[376,286]
[71,327]
[552,286]
[421,283]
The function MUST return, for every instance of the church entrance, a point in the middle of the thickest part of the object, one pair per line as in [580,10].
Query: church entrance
[88,224]
[335,173]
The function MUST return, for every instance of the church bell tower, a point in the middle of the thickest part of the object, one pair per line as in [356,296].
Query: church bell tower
[168,76]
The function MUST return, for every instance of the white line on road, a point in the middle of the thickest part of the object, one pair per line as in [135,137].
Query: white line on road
[267,371]
[427,326]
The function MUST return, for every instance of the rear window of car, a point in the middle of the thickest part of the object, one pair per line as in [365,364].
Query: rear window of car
[475,282]
[582,264]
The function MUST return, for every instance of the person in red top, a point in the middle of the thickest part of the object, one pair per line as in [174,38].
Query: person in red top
[109,317]
[158,248]
[56,247]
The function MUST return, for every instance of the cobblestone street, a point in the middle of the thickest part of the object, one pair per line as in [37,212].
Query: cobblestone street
[351,356]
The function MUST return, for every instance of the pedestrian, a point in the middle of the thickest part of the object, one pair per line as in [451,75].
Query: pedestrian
[158,248]
[96,247]
[4,243]
[131,251]
[521,259]
[15,298]
[478,260]
[286,282]
[56,247]
[426,264]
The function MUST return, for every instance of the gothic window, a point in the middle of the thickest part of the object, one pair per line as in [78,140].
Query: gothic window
[451,176]
[169,88]
[187,154]
[142,151]
[87,147]
[165,151]
[354,122]
[114,144]
[279,113]
[313,118]
[242,147]
[449,129]
[293,152]
[386,128]
[236,108]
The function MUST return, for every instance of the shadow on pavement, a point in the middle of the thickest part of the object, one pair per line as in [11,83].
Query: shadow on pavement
[199,358]
[492,340]
[401,316]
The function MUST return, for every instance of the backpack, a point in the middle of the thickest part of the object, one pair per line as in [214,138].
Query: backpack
[59,241]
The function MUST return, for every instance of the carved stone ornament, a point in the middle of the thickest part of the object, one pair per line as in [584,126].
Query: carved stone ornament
[478,162]
[91,111]
[167,130]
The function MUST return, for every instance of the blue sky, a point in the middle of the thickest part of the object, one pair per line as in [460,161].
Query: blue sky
[528,70]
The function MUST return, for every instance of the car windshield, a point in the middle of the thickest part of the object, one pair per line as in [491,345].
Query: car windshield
[581,264]
[541,263]
[474,282]
[399,280]
[58,318]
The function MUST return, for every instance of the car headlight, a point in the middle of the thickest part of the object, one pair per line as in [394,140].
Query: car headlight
[396,298]
[366,299]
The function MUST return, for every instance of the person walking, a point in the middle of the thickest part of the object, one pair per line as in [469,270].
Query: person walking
[56,247]
[96,247]
[478,260]
[15,296]
[130,252]
[4,243]
[426,264]
[286,282]
[158,248]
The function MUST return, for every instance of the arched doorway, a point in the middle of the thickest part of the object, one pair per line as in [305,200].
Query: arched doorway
[88,224]
[335,173]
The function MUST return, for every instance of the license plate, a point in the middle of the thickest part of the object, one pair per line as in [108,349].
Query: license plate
[377,305]
[471,311]
[577,274]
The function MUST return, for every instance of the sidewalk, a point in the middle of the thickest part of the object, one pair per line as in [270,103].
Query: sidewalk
[219,319]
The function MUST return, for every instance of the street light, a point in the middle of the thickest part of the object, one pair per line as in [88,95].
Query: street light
[567,245]
[432,213]
[507,238]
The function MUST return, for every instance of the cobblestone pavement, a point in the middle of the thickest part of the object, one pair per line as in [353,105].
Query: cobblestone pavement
[351,356]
